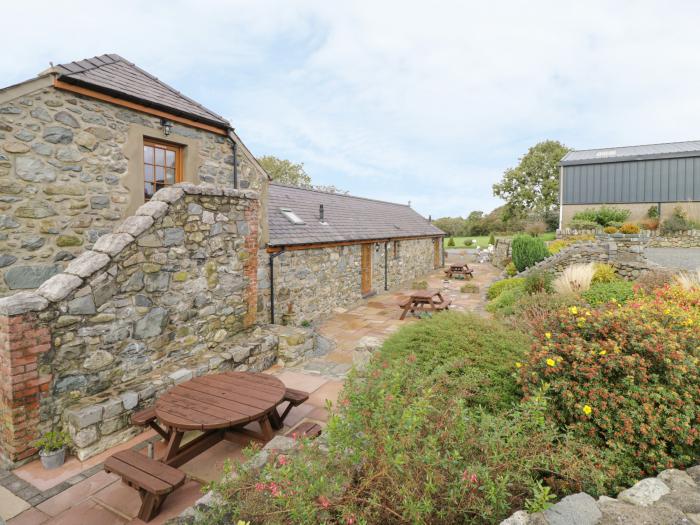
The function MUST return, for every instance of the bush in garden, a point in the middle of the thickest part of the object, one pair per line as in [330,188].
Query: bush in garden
[688,280]
[510,269]
[626,377]
[650,280]
[500,286]
[653,212]
[555,247]
[468,242]
[650,224]
[451,241]
[628,228]
[538,282]
[603,216]
[528,251]
[575,279]
[469,288]
[678,221]
[610,229]
[505,302]
[531,310]
[432,431]
[492,239]
[605,292]
[603,273]
[580,224]
[535,228]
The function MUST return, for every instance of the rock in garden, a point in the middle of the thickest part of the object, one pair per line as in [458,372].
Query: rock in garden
[644,492]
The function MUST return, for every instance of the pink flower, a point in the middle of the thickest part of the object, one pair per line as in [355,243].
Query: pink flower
[471,477]
[324,502]
[259,487]
[350,520]
[281,459]
[273,488]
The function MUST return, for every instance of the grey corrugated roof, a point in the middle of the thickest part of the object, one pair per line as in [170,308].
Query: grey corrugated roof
[347,218]
[690,148]
[116,76]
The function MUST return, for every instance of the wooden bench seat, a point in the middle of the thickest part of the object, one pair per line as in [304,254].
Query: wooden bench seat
[147,417]
[153,480]
[294,398]
[444,305]
[307,429]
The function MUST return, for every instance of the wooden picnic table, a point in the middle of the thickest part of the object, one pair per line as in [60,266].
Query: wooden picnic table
[218,405]
[420,299]
[459,269]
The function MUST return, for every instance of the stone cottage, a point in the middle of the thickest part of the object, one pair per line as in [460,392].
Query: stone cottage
[141,243]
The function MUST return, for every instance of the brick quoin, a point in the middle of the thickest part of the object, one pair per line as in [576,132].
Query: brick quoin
[22,341]
[250,268]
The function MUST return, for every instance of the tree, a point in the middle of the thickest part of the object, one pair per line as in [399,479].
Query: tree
[533,185]
[285,171]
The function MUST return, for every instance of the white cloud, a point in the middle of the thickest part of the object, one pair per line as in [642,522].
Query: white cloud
[398,100]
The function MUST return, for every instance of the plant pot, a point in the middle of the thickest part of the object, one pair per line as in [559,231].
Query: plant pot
[52,459]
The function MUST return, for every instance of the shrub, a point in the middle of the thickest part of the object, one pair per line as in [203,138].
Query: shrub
[603,216]
[653,212]
[538,282]
[528,251]
[492,239]
[504,284]
[677,222]
[535,228]
[469,288]
[626,377]
[606,292]
[451,241]
[575,279]
[603,273]
[650,224]
[580,224]
[428,433]
[468,242]
[531,310]
[558,245]
[610,229]
[689,280]
[628,228]
[505,302]
[650,280]
[510,269]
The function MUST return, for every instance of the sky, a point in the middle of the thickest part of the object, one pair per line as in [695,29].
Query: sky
[400,101]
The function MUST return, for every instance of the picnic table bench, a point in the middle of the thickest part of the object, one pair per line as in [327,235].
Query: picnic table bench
[217,405]
[424,301]
[459,269]
[153,479]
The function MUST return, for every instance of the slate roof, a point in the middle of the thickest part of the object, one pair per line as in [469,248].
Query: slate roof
[347,218]
[690,148]
[113,75]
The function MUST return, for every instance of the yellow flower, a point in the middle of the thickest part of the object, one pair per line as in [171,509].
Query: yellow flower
[548,335]
[602,352]
[518,364]
[667,311]
[573,310]
[587,410]
[550,362]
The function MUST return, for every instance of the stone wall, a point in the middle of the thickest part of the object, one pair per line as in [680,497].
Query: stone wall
[170,289]
[314,282]
[502,253]
[625,253]
[71,169]
[654,239]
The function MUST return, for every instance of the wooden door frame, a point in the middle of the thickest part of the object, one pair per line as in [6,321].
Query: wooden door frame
[366,271]
[437,253]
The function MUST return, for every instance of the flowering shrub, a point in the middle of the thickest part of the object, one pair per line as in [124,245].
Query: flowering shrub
[626,376]
[433,431]
[606,292]
[629,228]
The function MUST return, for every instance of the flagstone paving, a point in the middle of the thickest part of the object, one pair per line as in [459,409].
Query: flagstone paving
[82,493]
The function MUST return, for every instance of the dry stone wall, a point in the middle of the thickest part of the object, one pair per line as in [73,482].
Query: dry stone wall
[173,292]
[64,177]
[654,239]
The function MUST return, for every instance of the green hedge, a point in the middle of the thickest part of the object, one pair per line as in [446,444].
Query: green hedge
[528,251]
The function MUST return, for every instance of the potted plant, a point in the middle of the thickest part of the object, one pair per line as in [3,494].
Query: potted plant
[52,449]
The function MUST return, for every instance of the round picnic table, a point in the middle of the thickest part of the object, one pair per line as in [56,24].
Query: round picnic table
[215,404]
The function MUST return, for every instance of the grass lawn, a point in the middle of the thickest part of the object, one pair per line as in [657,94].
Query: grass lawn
[483,240]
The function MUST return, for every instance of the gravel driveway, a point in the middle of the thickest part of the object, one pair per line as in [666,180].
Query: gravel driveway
[685,258]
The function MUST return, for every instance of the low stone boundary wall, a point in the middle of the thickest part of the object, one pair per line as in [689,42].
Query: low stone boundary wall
[654,239]
[625,253]
[501,253]
[168,289]
[673,497]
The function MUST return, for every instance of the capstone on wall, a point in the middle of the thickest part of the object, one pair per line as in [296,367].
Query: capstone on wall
[309,284]
[173,287]
[70,170]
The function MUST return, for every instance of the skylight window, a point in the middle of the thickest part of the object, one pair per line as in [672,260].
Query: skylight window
[291,216]
[606,153]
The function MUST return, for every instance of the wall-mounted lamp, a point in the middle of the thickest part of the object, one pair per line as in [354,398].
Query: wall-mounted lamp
[167,126]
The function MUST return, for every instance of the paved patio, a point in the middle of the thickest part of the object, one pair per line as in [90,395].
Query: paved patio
[82,493]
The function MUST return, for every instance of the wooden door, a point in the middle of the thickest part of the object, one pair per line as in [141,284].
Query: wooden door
[366,269]
[437,262]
